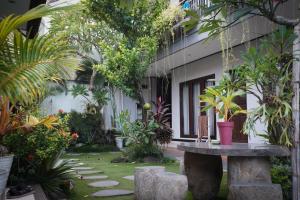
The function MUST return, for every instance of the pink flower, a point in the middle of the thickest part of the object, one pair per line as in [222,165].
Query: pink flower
[30,157]
[74,136]
[61,111]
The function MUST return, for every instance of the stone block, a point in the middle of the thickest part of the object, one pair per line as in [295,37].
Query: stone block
[245,170]
[170,186]
[255,191]
[144,182]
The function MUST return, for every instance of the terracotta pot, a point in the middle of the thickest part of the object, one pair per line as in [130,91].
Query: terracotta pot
[225,129]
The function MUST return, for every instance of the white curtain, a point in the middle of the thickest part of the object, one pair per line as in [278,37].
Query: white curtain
[185,101]
[196,91]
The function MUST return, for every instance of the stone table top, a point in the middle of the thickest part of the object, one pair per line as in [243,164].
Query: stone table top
[236,149]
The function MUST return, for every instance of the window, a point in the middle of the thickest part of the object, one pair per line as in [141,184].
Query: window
[190,108]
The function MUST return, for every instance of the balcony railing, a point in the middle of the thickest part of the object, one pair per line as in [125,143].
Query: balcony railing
[196,5]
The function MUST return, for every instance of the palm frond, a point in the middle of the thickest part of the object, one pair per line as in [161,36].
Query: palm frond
[13,22]
[26,64]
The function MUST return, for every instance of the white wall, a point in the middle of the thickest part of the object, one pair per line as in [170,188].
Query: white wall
[64,101]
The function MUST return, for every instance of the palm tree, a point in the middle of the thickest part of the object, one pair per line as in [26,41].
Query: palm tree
[26,65]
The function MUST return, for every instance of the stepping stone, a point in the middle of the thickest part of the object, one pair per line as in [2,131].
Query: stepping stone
[71,162]
[73,154]
[104,183]
[74,159]
[111,193]
[92,177]
[131,178]
[75,164]
[89,172]
[93,154]
[82,168]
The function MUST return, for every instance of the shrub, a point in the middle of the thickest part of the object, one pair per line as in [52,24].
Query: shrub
[281,172]
[140,138]
[35,153]
[40,143]
[138,152]
[89,128]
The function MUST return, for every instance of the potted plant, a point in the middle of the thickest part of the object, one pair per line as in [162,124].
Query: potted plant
[123,122]
[222,100]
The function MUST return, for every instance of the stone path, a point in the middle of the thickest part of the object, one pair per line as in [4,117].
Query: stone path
[111,193]
[93,177]
[108,183]
[131,178]
[82,168]
[75,164]
[89,172]
[73,154]
[80,172]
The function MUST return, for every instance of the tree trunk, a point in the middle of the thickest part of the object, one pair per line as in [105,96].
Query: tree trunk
[113,105]
[296,106]
[92,80]
[141,100]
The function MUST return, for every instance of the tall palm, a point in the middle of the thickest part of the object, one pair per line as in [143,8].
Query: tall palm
[27,64]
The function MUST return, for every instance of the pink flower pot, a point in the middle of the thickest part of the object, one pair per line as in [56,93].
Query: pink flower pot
[225,129]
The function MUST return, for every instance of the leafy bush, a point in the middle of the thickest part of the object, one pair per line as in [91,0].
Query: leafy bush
[138,152]
[36,151]
[282,174]
[88,148]
[140,138]
[88,127]
[137,132]
[40,143]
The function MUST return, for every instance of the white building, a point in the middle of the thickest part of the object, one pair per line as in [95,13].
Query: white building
[181,72]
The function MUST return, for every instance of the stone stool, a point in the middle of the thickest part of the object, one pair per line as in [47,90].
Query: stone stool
[144,182]
[170,186]
[250,178]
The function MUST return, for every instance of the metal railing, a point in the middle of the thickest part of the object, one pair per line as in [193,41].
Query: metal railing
[196,5]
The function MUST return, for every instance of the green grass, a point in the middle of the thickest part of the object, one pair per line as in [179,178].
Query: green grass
[115,171]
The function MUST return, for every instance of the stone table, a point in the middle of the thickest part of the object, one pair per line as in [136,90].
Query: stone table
[249,174]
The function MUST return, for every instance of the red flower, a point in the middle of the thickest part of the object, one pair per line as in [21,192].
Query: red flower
[74,136]
[61,111]
[30,157]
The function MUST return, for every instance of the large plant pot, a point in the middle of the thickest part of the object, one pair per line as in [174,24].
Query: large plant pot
[120,142]
[5,165]
[225,129]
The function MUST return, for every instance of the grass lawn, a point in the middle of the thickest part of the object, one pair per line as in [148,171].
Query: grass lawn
[115,171]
